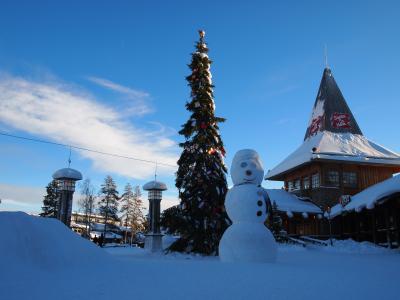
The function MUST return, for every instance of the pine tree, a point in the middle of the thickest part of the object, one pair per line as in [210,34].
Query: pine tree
[276,224]
[200,178]
[108,204]
[50,201]
[171,219]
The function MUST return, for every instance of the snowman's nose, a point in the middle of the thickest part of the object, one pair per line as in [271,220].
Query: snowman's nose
[248,172]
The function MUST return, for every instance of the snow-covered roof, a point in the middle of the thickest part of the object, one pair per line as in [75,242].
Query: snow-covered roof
[77,225]
[67,173]
[290,203]
[108,235]
[370,196]
[346,147]
[155,185]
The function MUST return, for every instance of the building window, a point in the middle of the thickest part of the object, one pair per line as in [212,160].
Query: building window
[306,183]
[297,184]
[315,180]
[332,178]
[290,186]
[350,179]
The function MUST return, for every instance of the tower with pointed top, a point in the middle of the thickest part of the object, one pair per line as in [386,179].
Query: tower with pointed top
[335,158]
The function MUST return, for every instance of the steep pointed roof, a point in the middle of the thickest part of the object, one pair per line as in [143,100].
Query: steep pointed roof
[333,134]
[330,111]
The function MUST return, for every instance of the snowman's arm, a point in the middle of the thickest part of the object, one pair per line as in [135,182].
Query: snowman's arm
[267,200]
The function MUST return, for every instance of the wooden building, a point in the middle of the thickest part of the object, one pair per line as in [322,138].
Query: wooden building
[335,161]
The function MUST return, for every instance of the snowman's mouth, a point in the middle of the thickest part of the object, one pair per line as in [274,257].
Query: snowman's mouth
[249,179]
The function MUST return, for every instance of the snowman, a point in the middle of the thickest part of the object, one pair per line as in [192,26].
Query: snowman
[247,239]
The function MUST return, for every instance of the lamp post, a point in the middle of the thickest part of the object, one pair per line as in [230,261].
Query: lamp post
[153,240]
[328,210]
[66,179]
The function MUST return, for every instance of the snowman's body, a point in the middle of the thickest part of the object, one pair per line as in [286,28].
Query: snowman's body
[247,239]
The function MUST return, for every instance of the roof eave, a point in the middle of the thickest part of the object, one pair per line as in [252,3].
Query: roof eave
[278,177]
[381,162]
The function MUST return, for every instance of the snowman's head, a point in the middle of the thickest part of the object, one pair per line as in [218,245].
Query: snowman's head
[247,167]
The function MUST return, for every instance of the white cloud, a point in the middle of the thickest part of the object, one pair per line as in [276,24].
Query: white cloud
[137,101]
[66,114]
[16,197]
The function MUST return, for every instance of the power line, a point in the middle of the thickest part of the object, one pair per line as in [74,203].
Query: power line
[86,149]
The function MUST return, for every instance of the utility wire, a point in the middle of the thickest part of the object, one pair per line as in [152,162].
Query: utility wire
[86,149]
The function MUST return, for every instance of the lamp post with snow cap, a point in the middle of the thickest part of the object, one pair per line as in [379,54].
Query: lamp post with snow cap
[153,240]
[66,179]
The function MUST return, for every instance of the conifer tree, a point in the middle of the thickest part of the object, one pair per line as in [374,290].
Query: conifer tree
[108,203]
[276,224]
[200,178]
[50,201]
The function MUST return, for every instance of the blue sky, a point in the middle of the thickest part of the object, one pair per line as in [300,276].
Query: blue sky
[111,76]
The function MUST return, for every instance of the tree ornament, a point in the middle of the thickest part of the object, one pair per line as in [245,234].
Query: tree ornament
[203,125]
[211,151]
[223,152]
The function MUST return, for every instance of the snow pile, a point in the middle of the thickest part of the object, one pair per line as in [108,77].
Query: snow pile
[44,243]
[370,196]
[336,146]
[290,203]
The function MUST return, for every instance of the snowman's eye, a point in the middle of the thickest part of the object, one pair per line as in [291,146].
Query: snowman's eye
[243,165]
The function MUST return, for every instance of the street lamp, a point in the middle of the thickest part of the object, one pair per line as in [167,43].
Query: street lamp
[328,210]
[153,241]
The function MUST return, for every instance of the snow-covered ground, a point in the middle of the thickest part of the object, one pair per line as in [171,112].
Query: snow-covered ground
[29,245]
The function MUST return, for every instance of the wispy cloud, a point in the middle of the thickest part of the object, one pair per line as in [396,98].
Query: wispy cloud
[16,197]
[65,113]
[138,101]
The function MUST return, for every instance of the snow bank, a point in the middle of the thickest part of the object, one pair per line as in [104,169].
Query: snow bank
[336,146]
[35,255]
[43,242]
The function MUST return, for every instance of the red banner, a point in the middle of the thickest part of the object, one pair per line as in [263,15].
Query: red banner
[316,125]
[340,120]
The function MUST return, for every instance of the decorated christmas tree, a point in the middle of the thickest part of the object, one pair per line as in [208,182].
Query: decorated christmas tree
[201,179]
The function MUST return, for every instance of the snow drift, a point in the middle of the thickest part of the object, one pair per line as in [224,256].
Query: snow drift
[43,242]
